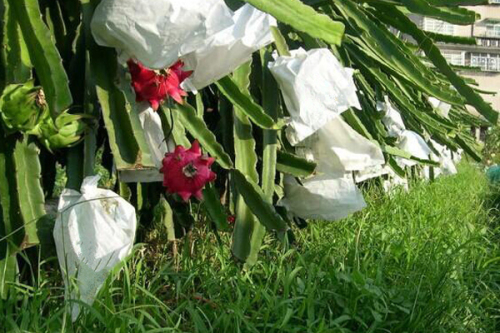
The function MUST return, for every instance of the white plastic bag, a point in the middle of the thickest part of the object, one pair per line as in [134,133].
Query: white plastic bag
[316,89]
[442,108]
[155,136]
[157,144]
[336,147]
[94,231]
[408,141]
[372,172]
[158,32]
[392,118]
[415,145]
[394,183]
[445,158]
[323,197]
[225,51]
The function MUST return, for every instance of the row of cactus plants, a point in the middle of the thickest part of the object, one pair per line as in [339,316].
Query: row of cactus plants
[64,98]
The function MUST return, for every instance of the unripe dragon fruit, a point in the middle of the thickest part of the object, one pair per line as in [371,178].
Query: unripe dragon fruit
[22,106]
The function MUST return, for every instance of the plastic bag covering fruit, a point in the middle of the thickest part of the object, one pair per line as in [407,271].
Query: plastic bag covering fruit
[225,51]
[22,106]
[441,107]
[158,32]
[323,197]
[371,172]
[94,232]
[445,158]
[392,118]
[408,141]
[336,147]
[157,144]
[316,89]
[415,145]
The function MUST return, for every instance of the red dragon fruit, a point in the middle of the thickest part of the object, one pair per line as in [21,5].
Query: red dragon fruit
[156,86]
[187,171]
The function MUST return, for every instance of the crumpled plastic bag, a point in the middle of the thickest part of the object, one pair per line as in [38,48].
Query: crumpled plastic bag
[225,51]
[323,197]
[94,231]
[158,32]
[157,144]
[445,159]
[415,145]
[457,156]
[316,89]
[336,147]
[408,141]
[395,183]
[153,131]
[442,108]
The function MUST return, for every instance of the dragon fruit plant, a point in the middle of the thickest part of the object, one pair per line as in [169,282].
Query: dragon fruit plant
[263,113]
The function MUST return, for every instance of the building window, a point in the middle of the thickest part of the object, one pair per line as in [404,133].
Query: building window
[454,58]
[493,29]
[440,27]
[487,62]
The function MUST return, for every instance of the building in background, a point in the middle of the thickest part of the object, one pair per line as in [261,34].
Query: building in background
[484,56]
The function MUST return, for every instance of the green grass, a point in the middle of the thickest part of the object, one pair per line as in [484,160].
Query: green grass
[428,261]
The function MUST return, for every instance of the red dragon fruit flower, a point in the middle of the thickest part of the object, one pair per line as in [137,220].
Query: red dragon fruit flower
[187,171]
[156,86]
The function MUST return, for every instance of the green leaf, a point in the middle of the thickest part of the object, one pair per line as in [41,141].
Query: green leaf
[21,195]
[8,274]
[44,55]
[401,22]
[215,209]
[295,165]
[455,15]
[280,42]
[401,153]
[246,161]
[245,103]
[126,138]
[14,56]
[256,201]
[303,18]
[199,130]
[167,218]
[384,47]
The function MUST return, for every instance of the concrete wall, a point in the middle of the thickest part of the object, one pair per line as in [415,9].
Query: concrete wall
[490,82]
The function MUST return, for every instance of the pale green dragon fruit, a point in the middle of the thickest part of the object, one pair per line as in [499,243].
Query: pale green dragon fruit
[66,131]
[22,106]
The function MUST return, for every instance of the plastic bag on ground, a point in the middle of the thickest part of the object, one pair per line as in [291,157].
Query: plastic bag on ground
[336,147]
[94,232]
[158,32]
[225,51]
[316,89]
[324,197]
